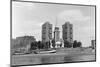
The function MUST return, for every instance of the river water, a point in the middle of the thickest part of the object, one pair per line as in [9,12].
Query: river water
[59,59]
[26,60]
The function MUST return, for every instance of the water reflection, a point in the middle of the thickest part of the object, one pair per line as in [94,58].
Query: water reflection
[67,59]
[24,60]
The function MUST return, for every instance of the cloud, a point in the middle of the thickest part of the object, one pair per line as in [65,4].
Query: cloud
[23,11]
[73,15]
[26,27]
[23,5]
[83,26]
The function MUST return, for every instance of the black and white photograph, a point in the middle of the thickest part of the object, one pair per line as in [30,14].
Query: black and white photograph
[52,33]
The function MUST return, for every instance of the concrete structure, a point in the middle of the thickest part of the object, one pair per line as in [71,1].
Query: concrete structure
[62,42]
[57,34]
[46,32]
[57,37]
[22,43]
[93,44]
[67,32]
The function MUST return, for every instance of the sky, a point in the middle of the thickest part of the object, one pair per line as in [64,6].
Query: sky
[28,17]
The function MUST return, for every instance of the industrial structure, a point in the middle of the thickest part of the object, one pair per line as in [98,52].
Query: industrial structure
[67,33]
[57,34]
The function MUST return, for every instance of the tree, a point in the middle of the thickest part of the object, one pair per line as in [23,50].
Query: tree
[53,43]
[39,44]
[79,44]
[47,45]
[75,44]
[67,44]
[33,46]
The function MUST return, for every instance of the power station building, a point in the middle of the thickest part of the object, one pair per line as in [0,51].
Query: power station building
[67,32]
[56,34]
[46,32]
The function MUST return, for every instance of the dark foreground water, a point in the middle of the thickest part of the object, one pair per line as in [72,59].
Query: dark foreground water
[26,60]
[67,59]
